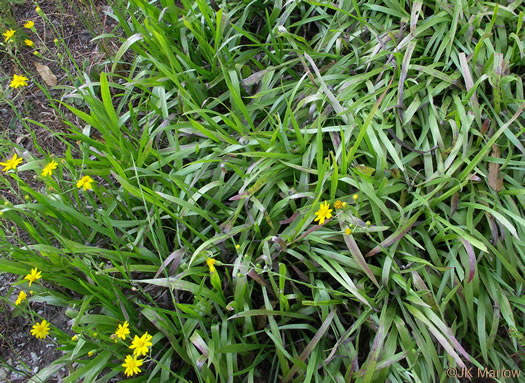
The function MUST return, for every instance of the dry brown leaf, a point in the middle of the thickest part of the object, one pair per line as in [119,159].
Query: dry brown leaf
[485,126]
[43,70]
[494,180]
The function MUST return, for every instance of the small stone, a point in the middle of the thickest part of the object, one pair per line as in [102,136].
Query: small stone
[34,357]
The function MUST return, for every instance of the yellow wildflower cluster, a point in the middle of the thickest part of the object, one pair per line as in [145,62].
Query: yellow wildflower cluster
[85,182]
[323,213]
[122,330]
[11,164]
[132,364]
[8,34]
[33,276]
[140,347]
[18,81]
[40,330]
[211,264]
[22,296]
[339,205]
[48,170]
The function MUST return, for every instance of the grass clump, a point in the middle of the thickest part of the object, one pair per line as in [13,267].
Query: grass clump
[286,191]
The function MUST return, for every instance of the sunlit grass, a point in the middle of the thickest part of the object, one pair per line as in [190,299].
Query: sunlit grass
[197,210]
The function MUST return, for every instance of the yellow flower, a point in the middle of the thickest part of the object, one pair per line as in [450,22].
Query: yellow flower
[11,163]
[348,231]
[22,296]
[323,213]
[90,353]
[355,197]
[211,264]
[8,34]
[74,337]
[37,10]
[30,24]
[36,53]
[18,81]
[338,204]
[368,223]
[237,246]
[35,274]
[85,183]
[48,170]
[141,344]
[132,365]
[122,330]
[29,43]
[40,330]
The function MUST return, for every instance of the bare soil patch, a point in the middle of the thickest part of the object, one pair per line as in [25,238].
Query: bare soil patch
[22,355]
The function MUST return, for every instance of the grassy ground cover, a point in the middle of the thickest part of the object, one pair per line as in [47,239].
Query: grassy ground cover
[293,191]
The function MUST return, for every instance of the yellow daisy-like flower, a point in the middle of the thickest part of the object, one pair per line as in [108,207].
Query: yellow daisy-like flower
[132,365]
[12,163]
[85,182]
[141,344]
[348,231]
[29,43]
[211,264]
[8,34]
[48,170]
[18,81]
[323,213]
[30,24]
[22,296]
[122,330]
[40,330]
[35,274]
[338,204]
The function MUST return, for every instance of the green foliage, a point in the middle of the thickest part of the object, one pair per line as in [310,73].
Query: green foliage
[228,124]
